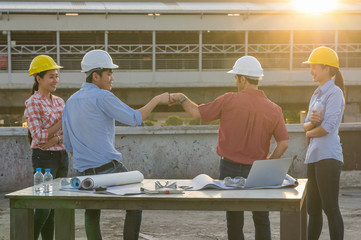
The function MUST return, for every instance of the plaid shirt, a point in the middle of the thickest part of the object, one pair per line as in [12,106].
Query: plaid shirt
[40,115]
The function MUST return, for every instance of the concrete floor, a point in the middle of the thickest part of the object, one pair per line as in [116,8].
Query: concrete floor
[194,225]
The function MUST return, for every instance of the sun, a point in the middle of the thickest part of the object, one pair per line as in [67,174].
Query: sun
[315,6]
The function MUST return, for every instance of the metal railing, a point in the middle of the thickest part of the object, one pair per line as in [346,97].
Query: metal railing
[130,49]
[269,48]
[349,48]
[3,49]
[176,48]
[33,49]
[79,49]
[223,48]
[180,56]
[307,48]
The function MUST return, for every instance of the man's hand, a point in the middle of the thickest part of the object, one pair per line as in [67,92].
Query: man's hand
[315,117]
[163,98]
[51,142]
[174,98]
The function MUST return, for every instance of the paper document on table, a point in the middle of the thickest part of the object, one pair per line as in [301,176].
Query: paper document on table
[106,180]
[130,189]
[204,181]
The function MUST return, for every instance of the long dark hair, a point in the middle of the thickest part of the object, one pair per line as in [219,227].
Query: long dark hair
[339,80]
[35,88]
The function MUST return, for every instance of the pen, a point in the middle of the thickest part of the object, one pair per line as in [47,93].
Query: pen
[162,191]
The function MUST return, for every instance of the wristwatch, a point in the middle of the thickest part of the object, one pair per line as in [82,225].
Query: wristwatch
[182,99]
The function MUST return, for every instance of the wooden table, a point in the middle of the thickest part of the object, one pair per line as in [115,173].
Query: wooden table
[289,201]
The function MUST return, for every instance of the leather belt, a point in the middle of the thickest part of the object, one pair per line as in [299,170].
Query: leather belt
[230,161]
[102,168]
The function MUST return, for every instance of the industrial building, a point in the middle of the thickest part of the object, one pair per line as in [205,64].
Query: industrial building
[178,46]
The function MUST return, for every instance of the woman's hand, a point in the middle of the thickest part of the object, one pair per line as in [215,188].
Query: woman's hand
[51,142]
[315,117]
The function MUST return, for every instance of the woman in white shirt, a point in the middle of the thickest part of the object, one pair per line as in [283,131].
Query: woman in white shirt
[324,154]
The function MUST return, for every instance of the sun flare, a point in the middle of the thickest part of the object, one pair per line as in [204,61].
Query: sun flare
[315,6]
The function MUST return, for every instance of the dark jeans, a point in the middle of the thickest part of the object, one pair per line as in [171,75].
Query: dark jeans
[132,221]
[57,161]
[235,220]
[322,193]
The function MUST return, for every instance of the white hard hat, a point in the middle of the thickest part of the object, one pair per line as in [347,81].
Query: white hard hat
[248,66]
[97,59]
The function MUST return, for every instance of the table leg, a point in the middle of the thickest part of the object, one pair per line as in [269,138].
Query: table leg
[21,224]
[291,226]
[64,224]
[304,221]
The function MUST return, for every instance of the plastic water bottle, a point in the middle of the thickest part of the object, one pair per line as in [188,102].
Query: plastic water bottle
[318,107]
[38,181]
[48,181]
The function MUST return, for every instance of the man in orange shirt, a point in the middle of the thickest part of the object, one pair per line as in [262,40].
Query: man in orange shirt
[248,120]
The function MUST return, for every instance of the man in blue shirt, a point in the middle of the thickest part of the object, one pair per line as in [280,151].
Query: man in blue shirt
[89,131]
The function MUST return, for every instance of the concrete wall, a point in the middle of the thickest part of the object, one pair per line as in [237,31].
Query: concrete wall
[170,152]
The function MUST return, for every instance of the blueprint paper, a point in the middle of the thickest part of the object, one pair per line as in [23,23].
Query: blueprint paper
[106,180]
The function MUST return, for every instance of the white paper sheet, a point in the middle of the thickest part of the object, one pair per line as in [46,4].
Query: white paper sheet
[204,181]
[131,189]
[106,180]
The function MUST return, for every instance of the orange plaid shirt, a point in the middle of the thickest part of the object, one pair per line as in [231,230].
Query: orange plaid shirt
[40,115]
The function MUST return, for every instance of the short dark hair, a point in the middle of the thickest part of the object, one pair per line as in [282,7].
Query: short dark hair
[249,79]
[89,79]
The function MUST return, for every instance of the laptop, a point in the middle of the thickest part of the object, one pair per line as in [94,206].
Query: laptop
[268,172]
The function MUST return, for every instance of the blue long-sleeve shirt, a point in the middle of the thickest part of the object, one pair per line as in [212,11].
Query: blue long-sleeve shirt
[333,103]
[89,126]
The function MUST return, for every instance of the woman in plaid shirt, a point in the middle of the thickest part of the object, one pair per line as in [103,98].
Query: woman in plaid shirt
[43,115]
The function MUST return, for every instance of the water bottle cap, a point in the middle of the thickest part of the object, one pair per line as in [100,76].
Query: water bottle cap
[38,169]
[318,100]
[47,170]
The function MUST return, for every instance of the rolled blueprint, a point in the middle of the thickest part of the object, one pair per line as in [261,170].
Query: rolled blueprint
[111,179]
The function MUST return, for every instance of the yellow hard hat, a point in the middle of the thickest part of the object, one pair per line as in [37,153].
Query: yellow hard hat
[323,55]
[42,63]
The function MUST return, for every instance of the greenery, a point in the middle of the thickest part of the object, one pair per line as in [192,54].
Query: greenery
[291,116]
[200,122]
[215,122]
[174,120]
[151,117]
[148,123]
[195,122]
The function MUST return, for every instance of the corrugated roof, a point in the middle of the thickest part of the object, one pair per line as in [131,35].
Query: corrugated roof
[161,7]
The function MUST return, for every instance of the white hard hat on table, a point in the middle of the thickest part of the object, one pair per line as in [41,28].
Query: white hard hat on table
[248,66]
[97,59]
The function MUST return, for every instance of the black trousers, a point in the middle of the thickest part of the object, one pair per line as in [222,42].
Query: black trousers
[57,161]
[322,194]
